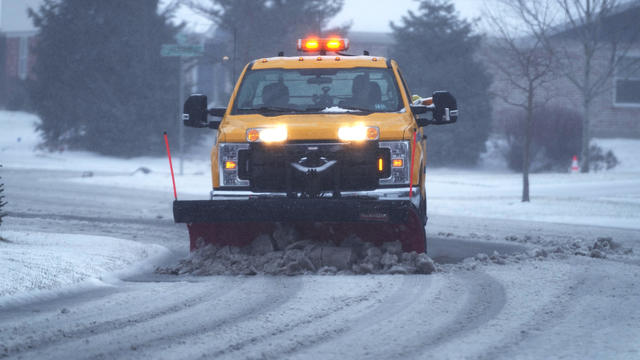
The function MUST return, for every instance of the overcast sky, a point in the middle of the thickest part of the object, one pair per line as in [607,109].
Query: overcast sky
[375,15]
[364,15]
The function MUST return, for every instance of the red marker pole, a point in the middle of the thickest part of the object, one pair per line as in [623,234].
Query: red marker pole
[173,179]
[413,154]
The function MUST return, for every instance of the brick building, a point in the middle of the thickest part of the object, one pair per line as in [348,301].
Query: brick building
[17,39]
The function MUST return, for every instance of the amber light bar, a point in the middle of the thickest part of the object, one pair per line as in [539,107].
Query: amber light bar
[326,44]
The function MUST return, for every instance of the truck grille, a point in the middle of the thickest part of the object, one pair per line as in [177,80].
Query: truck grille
[312,168]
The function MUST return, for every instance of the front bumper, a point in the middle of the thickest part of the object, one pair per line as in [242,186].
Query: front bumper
[385,194]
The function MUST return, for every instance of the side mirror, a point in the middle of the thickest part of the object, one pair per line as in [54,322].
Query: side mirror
[195,112]
[446,107]
[444,110]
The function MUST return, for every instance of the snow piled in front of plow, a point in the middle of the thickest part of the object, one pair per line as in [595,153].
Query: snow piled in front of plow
[283,253]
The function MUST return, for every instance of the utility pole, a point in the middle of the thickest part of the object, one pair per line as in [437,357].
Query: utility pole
[181,50]
[235,55]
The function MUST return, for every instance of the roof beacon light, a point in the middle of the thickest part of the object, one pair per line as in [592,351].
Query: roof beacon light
[323,45]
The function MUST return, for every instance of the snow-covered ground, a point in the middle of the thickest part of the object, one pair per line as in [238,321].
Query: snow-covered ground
[19,148]
[37,264]
[34,262]
[534,282]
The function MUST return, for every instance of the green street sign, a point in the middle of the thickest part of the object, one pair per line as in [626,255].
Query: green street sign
[181,50]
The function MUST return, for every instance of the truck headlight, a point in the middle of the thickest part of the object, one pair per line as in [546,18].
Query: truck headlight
[228,164]
[271,134]
[358,133]
[400,160]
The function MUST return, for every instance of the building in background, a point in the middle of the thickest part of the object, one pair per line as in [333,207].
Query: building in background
[17,39]
[615,111]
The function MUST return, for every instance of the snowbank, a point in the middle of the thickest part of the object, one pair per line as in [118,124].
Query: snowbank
[36,263]
[600,199]
[19,148]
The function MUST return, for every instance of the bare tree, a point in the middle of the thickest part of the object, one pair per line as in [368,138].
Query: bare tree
[520,62]
[590,47]
[260,28]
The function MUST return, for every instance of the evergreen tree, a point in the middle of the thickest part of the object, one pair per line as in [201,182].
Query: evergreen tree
[101,84]
[436,49]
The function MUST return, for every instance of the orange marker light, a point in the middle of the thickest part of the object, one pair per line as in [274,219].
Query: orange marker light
[253,135]
[397,163]
[372,133]
[380,165]
[230,165]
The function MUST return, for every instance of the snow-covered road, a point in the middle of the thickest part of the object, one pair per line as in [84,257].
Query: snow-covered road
[492,313]
[532,307]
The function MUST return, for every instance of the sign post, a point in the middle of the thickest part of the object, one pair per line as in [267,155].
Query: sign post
[181,50]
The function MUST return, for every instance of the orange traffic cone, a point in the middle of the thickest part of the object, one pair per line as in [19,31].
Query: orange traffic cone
[574,165]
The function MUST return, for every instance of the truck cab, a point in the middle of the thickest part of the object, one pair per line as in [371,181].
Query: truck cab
[320,127]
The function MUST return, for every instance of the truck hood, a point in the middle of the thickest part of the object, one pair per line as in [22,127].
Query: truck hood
[393,126]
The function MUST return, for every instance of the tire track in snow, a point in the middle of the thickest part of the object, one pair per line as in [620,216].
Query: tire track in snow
[588,292]
[85,326]
[348,322]
[548,316]
[166,223]
[485,299]
[449,305]
[176,332]
[297,315]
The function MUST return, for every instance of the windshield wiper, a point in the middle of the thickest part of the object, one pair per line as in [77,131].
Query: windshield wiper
[274,109]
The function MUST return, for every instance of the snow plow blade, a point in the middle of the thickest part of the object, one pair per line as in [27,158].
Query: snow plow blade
[239,222]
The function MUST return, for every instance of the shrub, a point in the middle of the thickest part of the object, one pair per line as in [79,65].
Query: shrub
[557,133]
[555,139]
[599,160]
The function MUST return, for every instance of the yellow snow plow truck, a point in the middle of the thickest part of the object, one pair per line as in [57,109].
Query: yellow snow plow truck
[329,143]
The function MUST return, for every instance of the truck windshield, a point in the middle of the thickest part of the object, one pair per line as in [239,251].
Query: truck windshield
[355,90]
